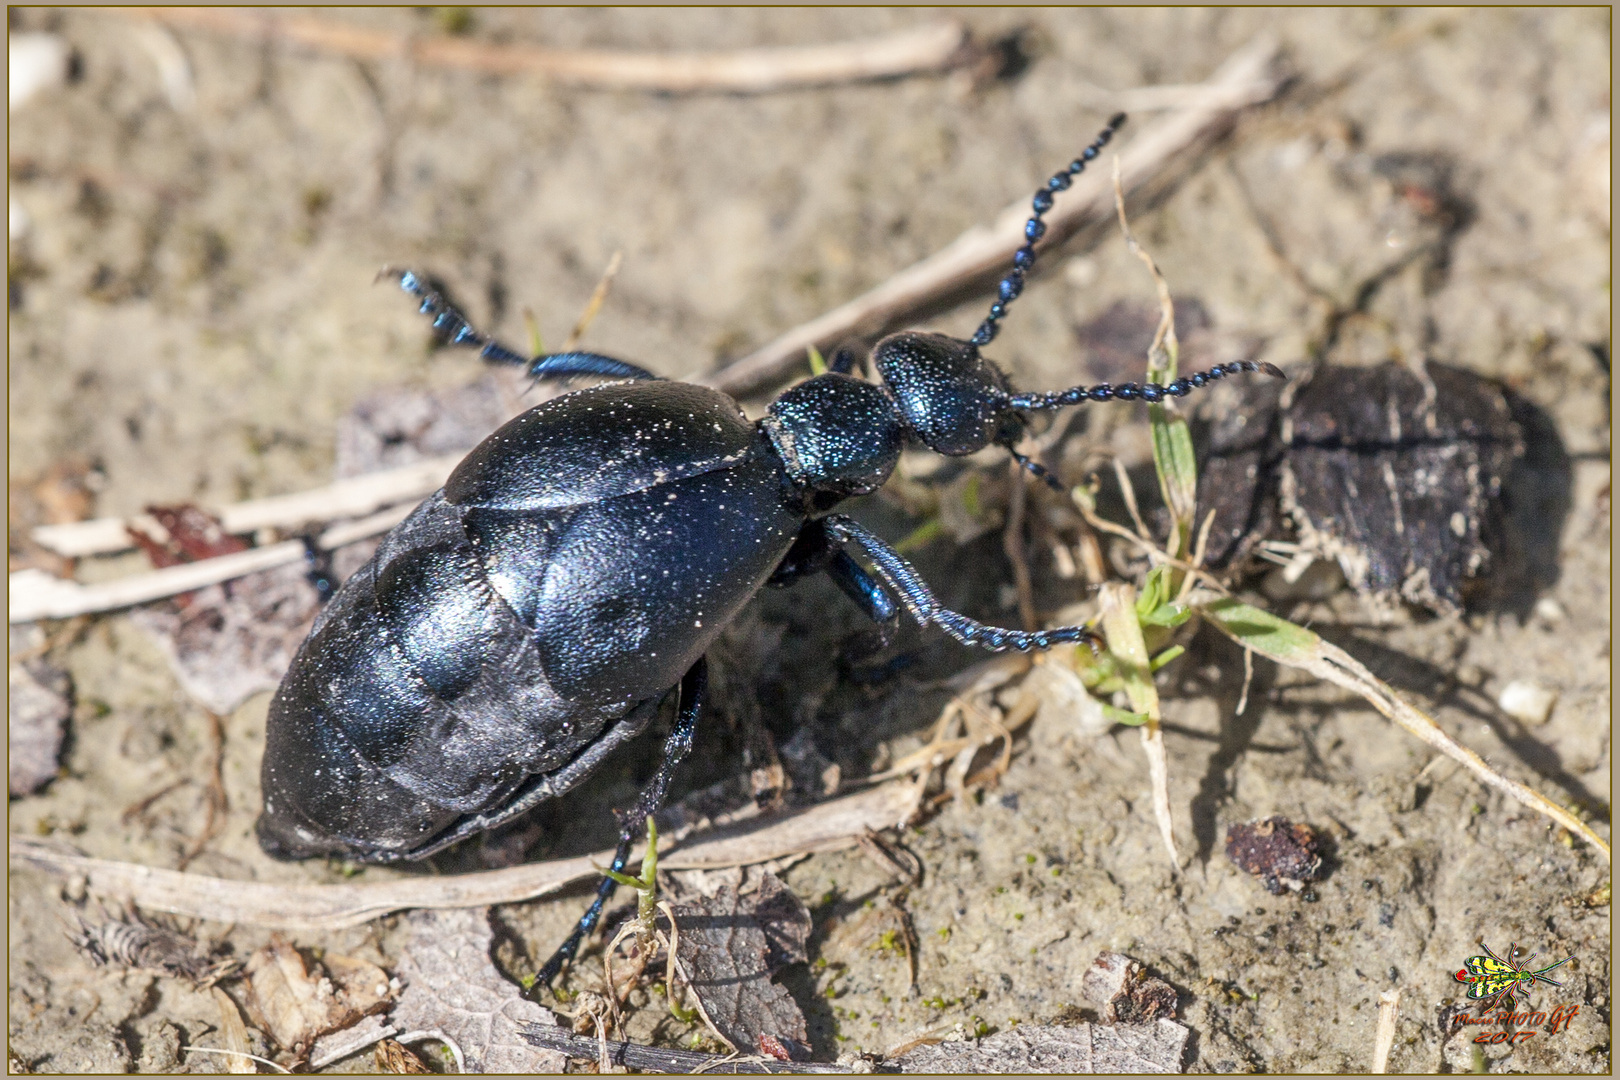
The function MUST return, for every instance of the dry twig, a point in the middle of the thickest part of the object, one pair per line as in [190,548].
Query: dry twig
[1012,542]
[1248,77]
[830,826]
[932,48]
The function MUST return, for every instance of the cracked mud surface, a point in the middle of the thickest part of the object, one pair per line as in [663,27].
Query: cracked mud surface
[192,311]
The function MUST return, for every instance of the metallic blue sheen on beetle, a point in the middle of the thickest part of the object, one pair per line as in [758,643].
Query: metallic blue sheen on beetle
[532,615]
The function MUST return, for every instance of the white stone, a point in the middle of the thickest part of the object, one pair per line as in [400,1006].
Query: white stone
[1527,702]
[36,62]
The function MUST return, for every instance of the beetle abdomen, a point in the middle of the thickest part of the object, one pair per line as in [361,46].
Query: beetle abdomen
[501,629]
[421,683]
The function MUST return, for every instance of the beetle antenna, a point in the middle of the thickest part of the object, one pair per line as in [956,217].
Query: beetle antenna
[1130,391]
[1037,470]
[1035,228]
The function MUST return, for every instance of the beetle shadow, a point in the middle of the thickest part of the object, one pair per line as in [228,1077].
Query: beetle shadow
[1525,532]
[1236,736]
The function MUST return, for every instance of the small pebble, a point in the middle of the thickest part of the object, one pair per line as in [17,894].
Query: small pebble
[1527,702]
[1549,610]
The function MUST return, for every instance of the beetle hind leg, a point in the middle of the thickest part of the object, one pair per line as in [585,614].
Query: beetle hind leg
[455,328]
[632,824]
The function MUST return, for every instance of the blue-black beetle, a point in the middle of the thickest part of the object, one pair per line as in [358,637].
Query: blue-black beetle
[529,617]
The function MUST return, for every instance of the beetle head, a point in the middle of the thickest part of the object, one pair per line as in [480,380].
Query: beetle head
[949,396]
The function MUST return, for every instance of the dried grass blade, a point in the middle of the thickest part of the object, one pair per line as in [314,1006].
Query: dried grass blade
[1294,646]
[1117,604]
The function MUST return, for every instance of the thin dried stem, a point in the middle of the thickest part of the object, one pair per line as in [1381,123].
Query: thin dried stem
[594,304]
[935,47]
[1155,551]
[1162,353]
[745,840]
[1307,651]
[1012,542]
[1128,493]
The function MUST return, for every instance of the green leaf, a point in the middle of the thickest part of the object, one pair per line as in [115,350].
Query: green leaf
[922,535]
[1165,615]
[1120,716]
[1153,592]
[1165,657]
[1117,603]
[818,363]
[1261,629]
[1153,606]
[1177,466]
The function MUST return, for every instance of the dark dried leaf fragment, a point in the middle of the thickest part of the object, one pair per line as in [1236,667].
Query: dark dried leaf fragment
[1282,854]
[730,946]
[1126,992]
[1397,474]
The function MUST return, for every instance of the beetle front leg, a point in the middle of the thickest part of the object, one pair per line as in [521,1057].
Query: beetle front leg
[872,598]
[813,552]
[919,599]
[694,684]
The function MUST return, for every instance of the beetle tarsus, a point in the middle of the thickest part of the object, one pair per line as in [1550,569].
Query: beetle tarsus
[453,326]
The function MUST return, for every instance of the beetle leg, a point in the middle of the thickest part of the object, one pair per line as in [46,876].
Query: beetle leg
[568,364]
[872,598]
[693,687]
[814,551]
[457,331]
[843,361]
[811,552]
[318,569]
[538,789]
[903,578]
